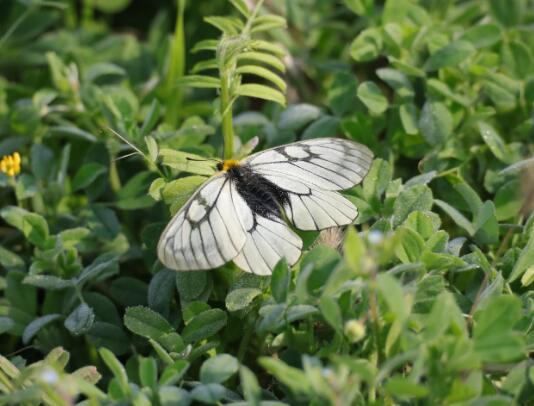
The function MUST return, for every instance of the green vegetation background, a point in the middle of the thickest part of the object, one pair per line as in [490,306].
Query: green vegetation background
[427,300]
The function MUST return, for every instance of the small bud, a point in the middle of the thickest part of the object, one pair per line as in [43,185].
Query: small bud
[354,330]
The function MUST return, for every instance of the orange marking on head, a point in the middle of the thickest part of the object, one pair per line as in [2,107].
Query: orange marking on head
[229,164]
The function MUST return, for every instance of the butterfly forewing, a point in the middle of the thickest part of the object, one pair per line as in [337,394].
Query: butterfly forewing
[324,163]
[208,231]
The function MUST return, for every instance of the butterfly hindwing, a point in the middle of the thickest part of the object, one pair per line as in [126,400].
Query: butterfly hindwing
[209,230]
[268,241]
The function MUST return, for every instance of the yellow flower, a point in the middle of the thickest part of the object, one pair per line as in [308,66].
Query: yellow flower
[10,164]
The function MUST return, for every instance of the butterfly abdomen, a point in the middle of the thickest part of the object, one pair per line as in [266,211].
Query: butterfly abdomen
[262,196]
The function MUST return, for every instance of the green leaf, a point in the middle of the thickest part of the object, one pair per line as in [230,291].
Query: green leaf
[205,45]
[494,337]
[435,122]
[6,324]
[445,314]
[33,328]
[209,64]
[483,35]
[116,368]
[458,217]
[486,224]
[241,6]
[133,195]
[264,74]
[148,372]
[19,295]
[211,393]
[146,322]
[408,115]
[393,295]
[239,299]
[161,291]
[398,81]
[525,260]
[111,336]
[425,223]
[377,180]
[35,228]
[297,116]
[10,260]
[72,236]
[87,175]
[373,98]
[528,277]
[174,372]
[190,285]
[495,143]
[264,58]
[354,249]
[152,148]
[42,161]
[450,55]
[418,197]
[331,312]
[218,369]
[405,388]
[508,200]
[261,92]
[442,89]
[267,22]
[250,385]
[204,325]
[201,81]
[280,281]
[178,191]
[228,25]
[292,377]
[99,70]
[409,246]
[508,12]
[367,45]
[325,126]
[187,162]
[80,320]
[360,7]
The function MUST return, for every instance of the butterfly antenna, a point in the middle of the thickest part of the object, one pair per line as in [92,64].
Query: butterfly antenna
[125,140]
[125,156]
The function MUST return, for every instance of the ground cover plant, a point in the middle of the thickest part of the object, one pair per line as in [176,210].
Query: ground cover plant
[426,300]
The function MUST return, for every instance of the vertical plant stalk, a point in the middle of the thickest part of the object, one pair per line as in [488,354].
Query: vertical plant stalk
[226,76]
[173,93]
[87,13]
[227,119]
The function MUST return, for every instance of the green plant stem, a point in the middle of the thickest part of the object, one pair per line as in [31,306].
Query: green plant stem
[87,13]
[227,120]
[173,93]
[226,96]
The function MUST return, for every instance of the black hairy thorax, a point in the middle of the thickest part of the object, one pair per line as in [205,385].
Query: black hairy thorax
[261,195]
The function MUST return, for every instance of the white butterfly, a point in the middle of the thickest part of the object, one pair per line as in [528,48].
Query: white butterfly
[238,213]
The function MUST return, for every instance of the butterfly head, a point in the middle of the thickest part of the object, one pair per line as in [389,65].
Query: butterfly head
[227,164]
